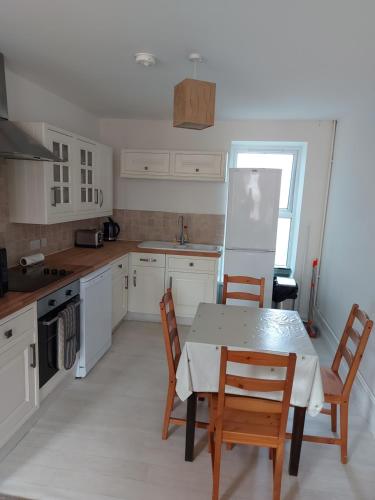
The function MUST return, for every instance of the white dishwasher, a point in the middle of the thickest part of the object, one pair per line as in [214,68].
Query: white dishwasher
[96,318]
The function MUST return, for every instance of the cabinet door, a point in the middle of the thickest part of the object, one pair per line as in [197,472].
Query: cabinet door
[144,163]
[146,287]
[189,289]
[119,298]
[87,175]
[205,166]
[60,177]
[103,194]
[18,386]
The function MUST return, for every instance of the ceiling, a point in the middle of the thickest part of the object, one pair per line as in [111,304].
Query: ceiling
[270,58]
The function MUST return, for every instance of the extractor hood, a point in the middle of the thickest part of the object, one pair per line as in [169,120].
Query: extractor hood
[15,144]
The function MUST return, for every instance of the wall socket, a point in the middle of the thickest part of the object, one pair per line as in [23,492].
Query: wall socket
[34,244]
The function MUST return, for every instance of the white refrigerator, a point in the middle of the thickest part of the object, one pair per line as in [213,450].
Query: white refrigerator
[251,225]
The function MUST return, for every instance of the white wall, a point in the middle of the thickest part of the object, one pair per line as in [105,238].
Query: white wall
[210,197]
[347,273]
[28,101]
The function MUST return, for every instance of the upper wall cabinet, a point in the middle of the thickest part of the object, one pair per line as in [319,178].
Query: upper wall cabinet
[177,165]
[48,193]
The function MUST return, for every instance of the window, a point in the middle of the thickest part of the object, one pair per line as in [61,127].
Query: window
[286,157]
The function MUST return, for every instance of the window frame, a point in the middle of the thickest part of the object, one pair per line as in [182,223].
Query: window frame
[266,147]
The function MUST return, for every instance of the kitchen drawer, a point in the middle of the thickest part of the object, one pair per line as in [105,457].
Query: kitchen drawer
[145,163]
[191,264]
[198,165]
[148,259]
[12,328]
[120,266]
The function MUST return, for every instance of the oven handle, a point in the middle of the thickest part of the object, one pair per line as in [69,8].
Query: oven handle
[33,350]
[52,321]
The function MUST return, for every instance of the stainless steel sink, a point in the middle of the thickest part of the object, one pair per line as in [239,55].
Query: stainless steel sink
[187,247]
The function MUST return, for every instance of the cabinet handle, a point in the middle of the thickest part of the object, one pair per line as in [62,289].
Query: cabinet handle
[101,198]
[197,169]
[8,334]
[96,196]
[146,167]
[33,352]
[170,281]
[191,264]
[126,282]
[144,260]
[135,279]
[53,202]
[120,266]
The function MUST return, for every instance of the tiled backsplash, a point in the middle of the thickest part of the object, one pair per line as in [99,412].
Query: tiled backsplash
[16,238]
[163,226]
[135,225]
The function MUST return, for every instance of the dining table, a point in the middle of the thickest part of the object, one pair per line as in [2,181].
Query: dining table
[254,329]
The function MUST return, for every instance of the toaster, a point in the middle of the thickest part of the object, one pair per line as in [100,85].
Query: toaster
[90,238]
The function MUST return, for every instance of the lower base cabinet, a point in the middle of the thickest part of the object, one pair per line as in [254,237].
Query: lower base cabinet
[18,385]
[189,289]
[120,285]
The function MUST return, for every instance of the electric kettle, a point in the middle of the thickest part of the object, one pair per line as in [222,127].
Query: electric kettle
[110,230]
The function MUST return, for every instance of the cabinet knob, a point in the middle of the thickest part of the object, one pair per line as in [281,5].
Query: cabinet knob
[8,334]
[52,302]
[197,169]
[120,266]
[191,264]
[146,167]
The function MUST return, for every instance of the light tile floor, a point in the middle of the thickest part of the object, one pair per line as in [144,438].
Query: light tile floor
[101,439]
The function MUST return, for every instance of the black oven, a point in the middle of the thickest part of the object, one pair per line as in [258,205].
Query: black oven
[48,310]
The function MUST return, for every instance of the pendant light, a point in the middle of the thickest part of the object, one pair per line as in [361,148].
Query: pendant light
[194,101]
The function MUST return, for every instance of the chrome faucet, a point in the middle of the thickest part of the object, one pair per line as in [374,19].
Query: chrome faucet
[181,237]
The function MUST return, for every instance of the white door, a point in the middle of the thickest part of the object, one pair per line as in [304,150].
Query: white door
[253,207]
[103,194]
[18,386]
[189,289]
[146,288]
[60,176]
[254,264]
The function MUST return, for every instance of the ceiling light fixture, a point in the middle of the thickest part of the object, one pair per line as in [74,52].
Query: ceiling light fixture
[194,100]
[145,58]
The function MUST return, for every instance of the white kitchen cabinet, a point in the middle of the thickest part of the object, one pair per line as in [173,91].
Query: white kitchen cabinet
[177,165]
[146,282]
[53,192]
[103,194]
[147,164]
[120,286]
[198,165]
[87,176]
[19,387]
[193,280]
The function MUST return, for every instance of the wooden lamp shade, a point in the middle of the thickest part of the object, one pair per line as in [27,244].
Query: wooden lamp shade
[194,104]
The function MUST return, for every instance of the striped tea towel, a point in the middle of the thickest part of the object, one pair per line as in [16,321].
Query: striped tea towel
[67,337]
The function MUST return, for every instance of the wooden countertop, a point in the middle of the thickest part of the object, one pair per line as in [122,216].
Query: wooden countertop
[82,261]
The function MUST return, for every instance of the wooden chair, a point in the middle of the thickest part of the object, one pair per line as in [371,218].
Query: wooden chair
[173,351]
[337,392]
[244,280]
[249,420]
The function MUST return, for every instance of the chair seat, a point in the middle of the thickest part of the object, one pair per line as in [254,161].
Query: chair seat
[332,385]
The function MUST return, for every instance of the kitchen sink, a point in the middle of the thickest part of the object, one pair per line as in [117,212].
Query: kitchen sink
[187,247]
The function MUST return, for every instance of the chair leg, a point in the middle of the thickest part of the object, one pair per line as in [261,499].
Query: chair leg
[333,418]
[168,407]
[344,417]
[216,468]
[278,470]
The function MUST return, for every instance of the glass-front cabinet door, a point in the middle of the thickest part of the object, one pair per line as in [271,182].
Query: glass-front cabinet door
[60,186]
[88,196]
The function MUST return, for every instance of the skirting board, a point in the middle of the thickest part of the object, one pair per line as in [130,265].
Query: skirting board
[155,318]
[361,392]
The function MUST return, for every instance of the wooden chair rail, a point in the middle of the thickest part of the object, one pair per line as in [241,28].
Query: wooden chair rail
[240,295]
[258,358]
[255,384]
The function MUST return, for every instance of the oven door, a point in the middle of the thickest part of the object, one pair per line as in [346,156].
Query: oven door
[48,341]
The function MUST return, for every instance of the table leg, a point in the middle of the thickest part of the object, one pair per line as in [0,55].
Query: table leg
[297,435]
[190,427]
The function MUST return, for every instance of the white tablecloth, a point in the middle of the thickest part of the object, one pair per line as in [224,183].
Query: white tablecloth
[247,328]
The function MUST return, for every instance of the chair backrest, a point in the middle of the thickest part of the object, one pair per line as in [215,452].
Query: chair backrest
[170,332]
[258,385]
[243,280]
[358,339]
